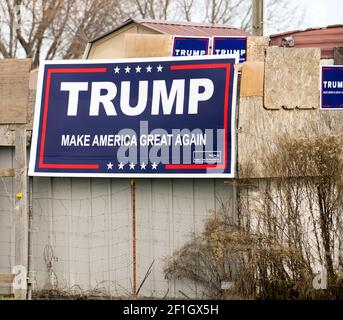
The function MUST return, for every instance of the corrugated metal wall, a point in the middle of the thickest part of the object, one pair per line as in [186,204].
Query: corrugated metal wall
[82,229]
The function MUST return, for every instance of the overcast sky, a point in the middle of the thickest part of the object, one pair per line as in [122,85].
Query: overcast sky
[323,12]
[320,13]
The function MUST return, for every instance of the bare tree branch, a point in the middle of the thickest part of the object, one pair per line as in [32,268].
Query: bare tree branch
[60,28]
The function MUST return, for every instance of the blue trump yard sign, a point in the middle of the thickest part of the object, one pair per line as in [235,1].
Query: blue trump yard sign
[190,46]
[163,117]
[230,45]
[331,88]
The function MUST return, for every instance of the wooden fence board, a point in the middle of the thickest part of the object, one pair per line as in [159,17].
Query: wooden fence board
[14,89]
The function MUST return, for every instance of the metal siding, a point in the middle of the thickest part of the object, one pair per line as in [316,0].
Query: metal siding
[88,223]
[176,28]
[196,30]
[325,38]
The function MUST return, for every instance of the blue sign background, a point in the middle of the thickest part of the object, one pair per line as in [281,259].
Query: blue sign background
[332,87]
[48,157]
[231,44]
[190,45]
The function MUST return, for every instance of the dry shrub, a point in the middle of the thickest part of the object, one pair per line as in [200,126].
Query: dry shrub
[287,228]
[205,258]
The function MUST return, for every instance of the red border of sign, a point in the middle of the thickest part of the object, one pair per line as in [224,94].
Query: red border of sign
[226,106]
[41,163]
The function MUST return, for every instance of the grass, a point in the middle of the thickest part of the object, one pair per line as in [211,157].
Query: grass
[6,297]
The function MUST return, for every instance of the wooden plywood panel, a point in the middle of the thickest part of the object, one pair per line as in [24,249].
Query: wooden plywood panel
[252,79]
[6,172]
[14,90]
[33,79]
[291,78]
[7,131]
[256,47]
[147,45]
[338,56]
[6,135]
[6,278]
[31,109]
[259,130]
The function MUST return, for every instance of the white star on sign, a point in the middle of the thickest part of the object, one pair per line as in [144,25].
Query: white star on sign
[138,69]
[132,166]
[127,69]
[148,68]
[110,166]
[154,166]
[120,166]
[116,69]
[143,165]
[159,68]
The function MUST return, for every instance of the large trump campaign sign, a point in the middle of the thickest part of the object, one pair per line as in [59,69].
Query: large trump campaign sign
[162,117]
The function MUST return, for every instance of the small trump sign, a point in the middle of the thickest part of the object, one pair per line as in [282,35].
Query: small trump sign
[190,46]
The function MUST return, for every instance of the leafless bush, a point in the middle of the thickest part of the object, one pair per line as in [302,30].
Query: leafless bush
[288,227]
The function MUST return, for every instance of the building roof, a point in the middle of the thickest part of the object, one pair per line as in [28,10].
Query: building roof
[191,29]
[326,38]
[181,28]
